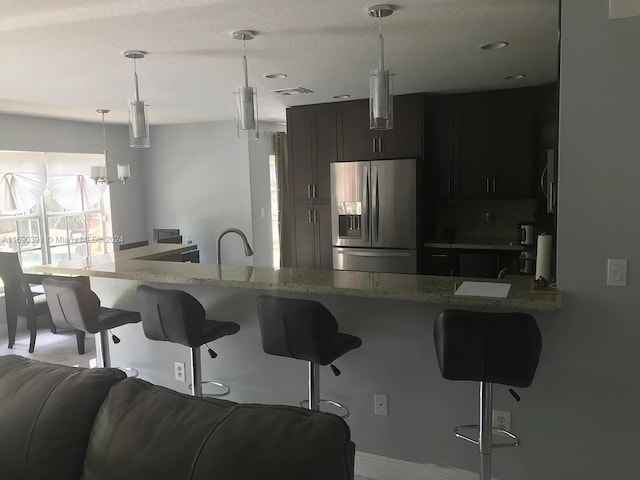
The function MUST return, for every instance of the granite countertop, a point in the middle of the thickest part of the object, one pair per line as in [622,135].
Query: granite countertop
[477,244]
[137,264]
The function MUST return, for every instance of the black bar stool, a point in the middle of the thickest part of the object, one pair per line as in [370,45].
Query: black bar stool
[305,330]
[177,317]
[73,304]
[488,348]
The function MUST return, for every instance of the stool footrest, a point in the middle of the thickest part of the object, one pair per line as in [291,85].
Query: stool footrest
[305,404]
[225,389]
[496,431]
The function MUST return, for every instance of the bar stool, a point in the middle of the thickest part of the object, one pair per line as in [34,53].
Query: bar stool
[488,348]
[305,330]
[73,304]
[177,317]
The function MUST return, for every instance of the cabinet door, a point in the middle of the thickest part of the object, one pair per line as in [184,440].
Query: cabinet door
[513,134]
[405,139]
[355,140]
[473,117]
[326,147]
[444,180]
[304,245]
[440,261]
[300,137]
[323,228]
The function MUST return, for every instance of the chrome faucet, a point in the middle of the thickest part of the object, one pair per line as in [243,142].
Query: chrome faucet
[247,249]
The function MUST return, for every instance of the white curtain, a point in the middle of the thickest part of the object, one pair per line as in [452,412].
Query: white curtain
[69,181]
[23,178]
[75,192]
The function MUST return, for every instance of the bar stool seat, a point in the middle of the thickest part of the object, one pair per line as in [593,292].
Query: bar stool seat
[177,317]
[304,330]
[489,348]
[74,305]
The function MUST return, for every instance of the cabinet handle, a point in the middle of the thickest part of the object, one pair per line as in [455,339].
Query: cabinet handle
[449,182]
[310,216]
[374,144]
[314,191]
[380,145]
[439,255]
[494,184]
[487,184]
[315,216]
[308,190]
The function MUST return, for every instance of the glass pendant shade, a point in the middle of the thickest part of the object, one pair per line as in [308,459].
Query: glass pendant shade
[247,107]
[138,125]
[246,96]
[380,99]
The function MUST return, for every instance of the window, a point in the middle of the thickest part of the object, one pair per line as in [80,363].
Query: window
[71,216]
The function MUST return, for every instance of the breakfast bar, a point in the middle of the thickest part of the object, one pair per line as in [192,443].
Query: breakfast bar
[393,314]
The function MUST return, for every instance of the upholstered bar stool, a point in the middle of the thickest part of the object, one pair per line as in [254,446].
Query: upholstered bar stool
[488,348]
[73,304]
[305,330]
[177,317]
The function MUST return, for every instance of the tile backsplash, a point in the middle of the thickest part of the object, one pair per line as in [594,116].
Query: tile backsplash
[491,218]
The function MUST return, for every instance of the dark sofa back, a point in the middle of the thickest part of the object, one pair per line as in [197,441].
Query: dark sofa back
[143,431]
[46,415]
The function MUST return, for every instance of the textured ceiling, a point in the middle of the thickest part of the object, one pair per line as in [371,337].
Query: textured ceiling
[63,58]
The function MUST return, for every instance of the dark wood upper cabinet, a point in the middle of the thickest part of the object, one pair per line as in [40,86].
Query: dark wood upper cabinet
[405,140]
[483,144]
[356,141]
[472,145]
[513,142]
[312,134]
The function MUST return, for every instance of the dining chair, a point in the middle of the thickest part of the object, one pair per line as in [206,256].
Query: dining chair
[20,300]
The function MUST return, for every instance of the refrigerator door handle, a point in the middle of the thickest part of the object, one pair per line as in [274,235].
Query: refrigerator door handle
[379,254]
[365,203]
[375,207]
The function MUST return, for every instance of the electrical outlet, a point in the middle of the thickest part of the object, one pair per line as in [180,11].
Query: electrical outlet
[179,371]
[501,419]
[616,272]
[380,405]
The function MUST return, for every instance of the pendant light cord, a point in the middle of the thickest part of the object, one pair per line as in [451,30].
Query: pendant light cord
[244,62]
[381,41]
[135,76]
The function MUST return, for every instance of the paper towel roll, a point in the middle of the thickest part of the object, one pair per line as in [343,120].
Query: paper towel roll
[543,257]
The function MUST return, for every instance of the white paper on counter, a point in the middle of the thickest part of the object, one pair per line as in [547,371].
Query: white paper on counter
[484,289]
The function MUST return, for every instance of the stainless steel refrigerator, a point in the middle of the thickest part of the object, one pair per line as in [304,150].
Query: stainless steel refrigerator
[373,216]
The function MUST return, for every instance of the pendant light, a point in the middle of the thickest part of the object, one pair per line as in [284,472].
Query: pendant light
[99,174]
[246,96]
[138,119]
[380,81]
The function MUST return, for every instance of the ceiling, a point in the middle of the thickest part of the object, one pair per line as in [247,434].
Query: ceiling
[63,58]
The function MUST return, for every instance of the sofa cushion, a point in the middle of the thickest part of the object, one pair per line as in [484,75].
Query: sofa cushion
[46,414]
[148,432]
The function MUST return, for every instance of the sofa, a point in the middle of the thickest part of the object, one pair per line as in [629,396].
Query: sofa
[65,423]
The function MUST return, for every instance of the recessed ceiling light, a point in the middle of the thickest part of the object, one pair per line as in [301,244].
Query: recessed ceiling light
[493,45]
[275,75]
[342,96]
[292,91]
[517,76]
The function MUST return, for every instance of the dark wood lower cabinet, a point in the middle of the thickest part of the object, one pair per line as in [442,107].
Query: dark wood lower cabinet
[312,236]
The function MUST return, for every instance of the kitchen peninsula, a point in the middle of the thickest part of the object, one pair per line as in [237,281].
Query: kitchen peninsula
[393,314]
[145,264]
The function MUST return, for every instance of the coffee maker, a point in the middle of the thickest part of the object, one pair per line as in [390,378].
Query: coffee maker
[527,237]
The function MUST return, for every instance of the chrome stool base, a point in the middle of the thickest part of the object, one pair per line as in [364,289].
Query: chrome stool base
[339,406]
[494,430]
[226,390]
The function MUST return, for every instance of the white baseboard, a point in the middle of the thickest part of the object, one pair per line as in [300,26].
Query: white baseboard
[376,467]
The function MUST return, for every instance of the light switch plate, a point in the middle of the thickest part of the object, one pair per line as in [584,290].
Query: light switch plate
[616,272]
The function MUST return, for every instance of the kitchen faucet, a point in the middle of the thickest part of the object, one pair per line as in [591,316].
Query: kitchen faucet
[247,249]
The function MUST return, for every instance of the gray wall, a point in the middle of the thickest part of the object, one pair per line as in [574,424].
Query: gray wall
[197,180]
[49,135]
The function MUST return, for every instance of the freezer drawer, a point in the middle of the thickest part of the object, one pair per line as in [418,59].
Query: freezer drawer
[375,260]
